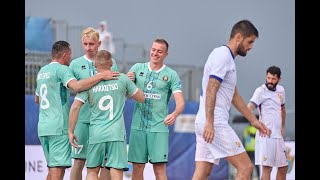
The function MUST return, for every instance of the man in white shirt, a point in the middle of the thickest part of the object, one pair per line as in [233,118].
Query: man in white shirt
[106,38]
[215,137]
[269,99]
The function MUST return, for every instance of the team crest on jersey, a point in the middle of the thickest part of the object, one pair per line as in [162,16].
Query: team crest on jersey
[180,85]
[83,67]
[265,158]
[165,78]
[238,143]
[280,97]
[141,74]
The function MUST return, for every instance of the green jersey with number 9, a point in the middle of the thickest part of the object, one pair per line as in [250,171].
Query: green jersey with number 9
[106,100]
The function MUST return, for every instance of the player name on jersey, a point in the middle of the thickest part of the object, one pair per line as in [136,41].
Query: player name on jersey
[108,87]
[44,75]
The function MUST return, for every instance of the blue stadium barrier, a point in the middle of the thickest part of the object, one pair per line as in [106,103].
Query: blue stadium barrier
[38,34]
[182,146]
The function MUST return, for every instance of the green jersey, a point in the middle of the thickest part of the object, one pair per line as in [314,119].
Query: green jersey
[82,68]
[106,100]
[114,66]
[54,103]
[157,87]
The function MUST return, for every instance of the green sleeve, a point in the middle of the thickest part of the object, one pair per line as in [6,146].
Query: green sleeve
[114,66]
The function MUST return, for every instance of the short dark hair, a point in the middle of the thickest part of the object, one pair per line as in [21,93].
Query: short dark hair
[274,70]
[162,41]
[245,27]
[58,48]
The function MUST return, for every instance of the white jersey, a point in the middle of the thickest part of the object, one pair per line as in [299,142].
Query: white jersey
[269,106]
[221,66]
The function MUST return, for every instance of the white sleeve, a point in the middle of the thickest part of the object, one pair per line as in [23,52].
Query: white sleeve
[257,97]
[218,64]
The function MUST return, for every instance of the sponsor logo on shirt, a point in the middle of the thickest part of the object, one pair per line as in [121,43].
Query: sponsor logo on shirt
[152,96]
[83,67]
[141,74]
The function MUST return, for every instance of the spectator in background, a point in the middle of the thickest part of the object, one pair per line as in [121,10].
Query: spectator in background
[106,38]
[271,151]
[249,134]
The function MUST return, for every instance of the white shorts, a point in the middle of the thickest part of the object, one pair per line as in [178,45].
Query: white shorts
[270,152]
[225,143]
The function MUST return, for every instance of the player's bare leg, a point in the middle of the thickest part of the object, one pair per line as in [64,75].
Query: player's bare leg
[160,171]
[266,172]
[243,165]
[282,172]
[76,169]
[137,172]
[92,173]
[116,174]
[56,173]
[104,174]
[202,170]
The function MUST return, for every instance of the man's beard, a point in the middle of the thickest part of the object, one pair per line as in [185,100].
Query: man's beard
[241,51]
[271,88]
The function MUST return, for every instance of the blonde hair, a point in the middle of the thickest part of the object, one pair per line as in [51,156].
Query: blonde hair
[103,57]
[90,32]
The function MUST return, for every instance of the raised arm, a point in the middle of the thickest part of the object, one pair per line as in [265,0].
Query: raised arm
[179,100]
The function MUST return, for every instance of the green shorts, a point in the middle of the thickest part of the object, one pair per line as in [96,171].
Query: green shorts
[116,152]
[57,150]
[82,132]
[148,146]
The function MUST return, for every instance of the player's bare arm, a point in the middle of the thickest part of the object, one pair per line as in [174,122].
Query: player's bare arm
[179,100]
[36,99]
[131,75]
[138,96]
[240,105]
[73,118]
[251,106]
[84,84]
[211,94]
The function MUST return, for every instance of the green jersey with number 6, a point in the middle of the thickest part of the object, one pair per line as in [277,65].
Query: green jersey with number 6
[54,103]
[106,100]
[157,87]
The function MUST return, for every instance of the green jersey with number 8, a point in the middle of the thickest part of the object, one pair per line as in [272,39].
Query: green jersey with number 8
[54,101]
